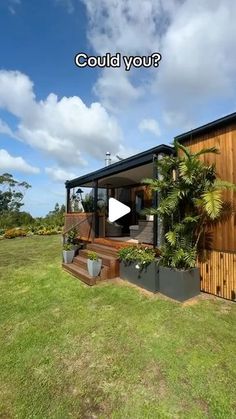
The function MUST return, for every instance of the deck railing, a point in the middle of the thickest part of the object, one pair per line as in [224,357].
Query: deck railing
[83,222]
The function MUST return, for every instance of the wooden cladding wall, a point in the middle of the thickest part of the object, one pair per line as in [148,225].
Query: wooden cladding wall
[224,235]
[218,274]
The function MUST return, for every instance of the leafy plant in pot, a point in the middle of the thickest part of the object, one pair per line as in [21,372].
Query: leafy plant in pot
[73,239]
[68,253]
[94,264]
[190,202]
[139,265]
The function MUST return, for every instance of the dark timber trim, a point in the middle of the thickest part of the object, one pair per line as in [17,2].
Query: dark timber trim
[155,200]
[67,200]
[96,227]
[218,123]
[130,163]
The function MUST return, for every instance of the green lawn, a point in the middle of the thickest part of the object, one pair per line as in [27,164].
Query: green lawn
[70,351]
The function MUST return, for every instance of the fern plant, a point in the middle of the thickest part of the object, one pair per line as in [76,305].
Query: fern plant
[190,200]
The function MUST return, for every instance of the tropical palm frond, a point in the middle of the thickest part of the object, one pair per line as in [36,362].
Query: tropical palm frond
[170,203]
[191,220]
[150,182]
[223,184]
[212,203]
[185,150]
[226,213]
[171,237]
[189,169]
[190,258]
[198,203]
[213,150]
[149,211]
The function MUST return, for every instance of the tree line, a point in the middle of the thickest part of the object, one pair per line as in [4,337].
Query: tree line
[12,193]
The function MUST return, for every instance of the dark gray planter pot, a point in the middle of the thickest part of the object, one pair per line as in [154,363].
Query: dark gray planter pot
[179,285]
[76,248]
[68,255]
[146,278]
[94,267]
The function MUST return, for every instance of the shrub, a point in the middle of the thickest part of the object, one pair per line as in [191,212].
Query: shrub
[15,232]
[46,231]
[138,254]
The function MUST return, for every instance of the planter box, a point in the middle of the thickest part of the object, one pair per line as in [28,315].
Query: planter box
[146,278]
[179,285]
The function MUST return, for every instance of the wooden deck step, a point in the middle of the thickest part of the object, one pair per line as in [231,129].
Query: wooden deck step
[81,262]
[114,243]
[110,264]
[80,273]
[102,249]
[106,259]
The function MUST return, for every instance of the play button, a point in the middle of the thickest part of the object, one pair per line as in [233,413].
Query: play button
[117,209]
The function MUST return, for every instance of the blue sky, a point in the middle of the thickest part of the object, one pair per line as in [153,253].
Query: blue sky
[57,121]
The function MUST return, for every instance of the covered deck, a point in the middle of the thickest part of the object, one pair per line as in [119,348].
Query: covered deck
[122,181]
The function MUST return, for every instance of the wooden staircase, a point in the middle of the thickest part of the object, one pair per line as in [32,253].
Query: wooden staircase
[110,263]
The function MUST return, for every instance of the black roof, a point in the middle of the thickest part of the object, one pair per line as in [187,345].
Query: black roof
[120,166]
[218,123]
[147,156]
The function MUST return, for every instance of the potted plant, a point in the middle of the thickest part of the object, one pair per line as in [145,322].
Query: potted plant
[139,265]
[73,239]
[190,201]
[68,253]
[94,264]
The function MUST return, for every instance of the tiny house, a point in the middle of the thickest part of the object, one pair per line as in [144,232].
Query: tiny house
[123,181]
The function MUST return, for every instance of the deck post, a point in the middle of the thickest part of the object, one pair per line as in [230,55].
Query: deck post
[155,202]
[96,226]
[67,198]
[160,232]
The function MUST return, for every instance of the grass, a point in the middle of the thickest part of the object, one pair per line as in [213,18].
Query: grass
[110,351]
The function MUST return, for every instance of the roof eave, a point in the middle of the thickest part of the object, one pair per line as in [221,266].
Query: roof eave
[218,123]
[115,168]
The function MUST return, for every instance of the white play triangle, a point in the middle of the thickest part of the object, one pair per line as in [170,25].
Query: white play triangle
[117,210]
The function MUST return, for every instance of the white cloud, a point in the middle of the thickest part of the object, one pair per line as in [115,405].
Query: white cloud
[16,94]
[5,129]
[150,125]
[8,162]
[66,130]
[198,64]
[59,175]
[196,40]
[115,90]
[131,28]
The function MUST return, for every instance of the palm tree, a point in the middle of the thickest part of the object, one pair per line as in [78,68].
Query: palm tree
[190,201]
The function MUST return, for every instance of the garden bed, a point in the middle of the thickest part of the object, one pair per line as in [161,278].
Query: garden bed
[146,277]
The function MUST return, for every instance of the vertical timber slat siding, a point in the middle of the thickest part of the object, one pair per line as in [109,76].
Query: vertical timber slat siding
[218,273]
[224,235]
